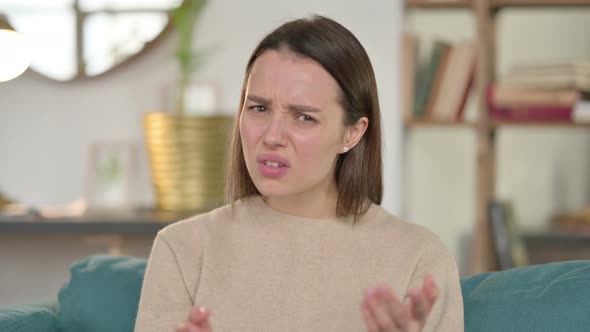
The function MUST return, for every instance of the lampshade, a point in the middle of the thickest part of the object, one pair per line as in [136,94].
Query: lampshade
[15,56]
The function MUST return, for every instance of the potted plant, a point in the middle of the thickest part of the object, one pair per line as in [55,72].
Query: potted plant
[186,150]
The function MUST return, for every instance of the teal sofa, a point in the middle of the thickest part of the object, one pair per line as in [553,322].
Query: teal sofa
[103,292]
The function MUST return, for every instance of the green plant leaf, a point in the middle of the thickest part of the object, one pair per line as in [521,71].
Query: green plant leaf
[184,18]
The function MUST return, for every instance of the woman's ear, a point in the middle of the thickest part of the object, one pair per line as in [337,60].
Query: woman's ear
[354,133]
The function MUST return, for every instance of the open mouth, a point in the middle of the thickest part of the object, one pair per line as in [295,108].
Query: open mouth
[273,164]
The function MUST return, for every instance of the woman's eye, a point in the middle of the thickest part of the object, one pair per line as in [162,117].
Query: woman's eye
[305,118]
[257,108]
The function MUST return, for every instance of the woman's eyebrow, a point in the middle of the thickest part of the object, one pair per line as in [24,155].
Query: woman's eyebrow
[303,108]
[259,100]
[291,107]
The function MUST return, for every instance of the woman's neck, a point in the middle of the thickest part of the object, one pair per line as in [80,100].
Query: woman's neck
[321,206]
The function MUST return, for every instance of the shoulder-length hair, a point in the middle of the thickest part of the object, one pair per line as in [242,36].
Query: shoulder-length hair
[358,172]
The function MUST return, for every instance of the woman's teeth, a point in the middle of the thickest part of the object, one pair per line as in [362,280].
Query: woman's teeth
[273,164]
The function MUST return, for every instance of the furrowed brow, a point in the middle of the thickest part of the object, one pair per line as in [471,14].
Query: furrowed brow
[303,108]
[259,100]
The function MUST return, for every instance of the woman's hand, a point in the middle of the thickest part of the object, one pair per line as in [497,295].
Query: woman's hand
[383,311]
[198,321]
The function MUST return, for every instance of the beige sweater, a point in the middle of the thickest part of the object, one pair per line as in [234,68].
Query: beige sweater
[261,270]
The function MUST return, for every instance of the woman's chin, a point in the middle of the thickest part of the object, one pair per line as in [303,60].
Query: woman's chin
[272,190]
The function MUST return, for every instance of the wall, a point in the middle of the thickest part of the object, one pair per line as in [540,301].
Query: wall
[46,127]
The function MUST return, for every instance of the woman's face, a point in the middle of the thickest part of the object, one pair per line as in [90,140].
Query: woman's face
[292,126]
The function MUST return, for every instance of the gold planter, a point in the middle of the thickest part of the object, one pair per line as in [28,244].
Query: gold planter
[187,159]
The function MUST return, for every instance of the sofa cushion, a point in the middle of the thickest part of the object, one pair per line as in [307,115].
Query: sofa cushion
[27,318]
[101,295]
[549,297]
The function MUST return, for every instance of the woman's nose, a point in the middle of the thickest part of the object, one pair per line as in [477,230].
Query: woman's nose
[274,135]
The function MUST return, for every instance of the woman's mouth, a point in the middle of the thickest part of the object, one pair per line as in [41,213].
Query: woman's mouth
[272,165]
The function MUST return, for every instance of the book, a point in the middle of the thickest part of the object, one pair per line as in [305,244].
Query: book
[408,70]
[532,113]
[527,112]
[457,82]
[580,68]
[437,84]
[426,77]
[573,75]
[506,96]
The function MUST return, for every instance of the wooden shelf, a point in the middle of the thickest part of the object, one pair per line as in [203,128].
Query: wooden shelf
[435,123]
[539,3]
[441,4]
[438,123]
[497,124]
[497,4]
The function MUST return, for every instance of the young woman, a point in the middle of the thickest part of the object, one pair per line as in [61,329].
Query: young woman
[304,244]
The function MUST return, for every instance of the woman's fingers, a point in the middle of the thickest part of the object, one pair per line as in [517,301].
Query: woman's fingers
[187,327]
[182,327]
[368,316]
[423,299]
[198,321]
[383,311]
[379,310]
[199,315]
[431,290]
[400,314]
[419,305]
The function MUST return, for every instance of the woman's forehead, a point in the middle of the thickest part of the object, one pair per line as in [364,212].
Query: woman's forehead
[291,75]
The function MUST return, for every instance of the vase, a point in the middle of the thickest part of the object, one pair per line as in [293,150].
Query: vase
[187,156]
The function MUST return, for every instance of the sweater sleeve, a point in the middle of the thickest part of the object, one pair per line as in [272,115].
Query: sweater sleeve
[447,312]
[166,299]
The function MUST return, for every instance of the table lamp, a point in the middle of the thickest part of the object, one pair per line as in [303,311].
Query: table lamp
[15,57]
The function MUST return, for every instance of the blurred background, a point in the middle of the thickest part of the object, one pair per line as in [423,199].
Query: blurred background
[90,162]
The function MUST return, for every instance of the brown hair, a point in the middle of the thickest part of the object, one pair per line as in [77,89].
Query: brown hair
[358,172]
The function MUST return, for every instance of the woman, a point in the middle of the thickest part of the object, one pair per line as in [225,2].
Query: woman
[304,244]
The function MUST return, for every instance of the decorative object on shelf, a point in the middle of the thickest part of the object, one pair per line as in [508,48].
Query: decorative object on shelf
[4,201]
[577,220]
[112,171]
[187,145]
[581,113]
[15,57]
[187,155]
[508,243]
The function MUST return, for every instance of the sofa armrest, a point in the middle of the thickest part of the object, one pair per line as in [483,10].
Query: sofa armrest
[547,297]
[28,318]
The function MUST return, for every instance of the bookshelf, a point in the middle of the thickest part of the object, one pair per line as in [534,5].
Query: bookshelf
[539,3]
[555,124]
[438,4]
[495,124]
[494,4]
[434,123]
[484,14]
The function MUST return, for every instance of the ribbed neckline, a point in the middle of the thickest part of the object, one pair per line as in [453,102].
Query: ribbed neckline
[262,212]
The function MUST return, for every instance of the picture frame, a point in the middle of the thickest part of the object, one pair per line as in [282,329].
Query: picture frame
[112,175]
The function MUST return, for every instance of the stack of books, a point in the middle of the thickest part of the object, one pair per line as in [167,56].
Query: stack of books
[556,92]
[438,89]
